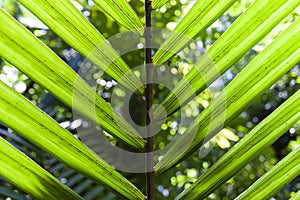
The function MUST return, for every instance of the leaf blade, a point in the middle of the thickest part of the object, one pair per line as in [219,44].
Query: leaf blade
[262,136]
[22,49]
[244,33]
[282,54]
[31,178]
[276,178]
[201,15]
[121,11]
[70,25]
[296,196]
[59,142]
[158,3]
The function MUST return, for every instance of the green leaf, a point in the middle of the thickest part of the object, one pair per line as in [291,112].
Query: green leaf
[22,49]
[122,12]
[296,196]
[254,79]
[158,3]
[37,127]
[244,33]
[275,179]
[201,15]
[69,24]
[262,136]
[24,173]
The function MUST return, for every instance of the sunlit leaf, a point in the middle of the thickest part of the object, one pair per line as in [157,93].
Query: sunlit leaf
[254,79]
[248,29]
[29,176]
[296,196]
[262,136]
[275,179]
[158,3]
[69,24]
[202,14]
[122,12]
[32,57]
[37,127]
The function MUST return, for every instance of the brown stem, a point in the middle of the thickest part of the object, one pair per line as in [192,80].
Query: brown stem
[149,140]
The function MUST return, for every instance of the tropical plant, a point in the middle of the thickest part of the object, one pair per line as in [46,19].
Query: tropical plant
[39,132]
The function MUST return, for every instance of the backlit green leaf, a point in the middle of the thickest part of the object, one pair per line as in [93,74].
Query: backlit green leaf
[248,29]
[202,14]
[275,179]
[122,12]
[37,127]
[29,176]
[262,136]
[158,3]
[32,57]
[254,79]
[296,196]
[69,24]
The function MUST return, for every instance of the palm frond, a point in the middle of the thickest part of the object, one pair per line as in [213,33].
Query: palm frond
[43,131]
[122,12]
[69,24]
[158,3]
[244,33]
[44,154]
[31,177]
[21,48]
[276,178]
[296,196]
[202,14]
[262,136]
[256,77]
